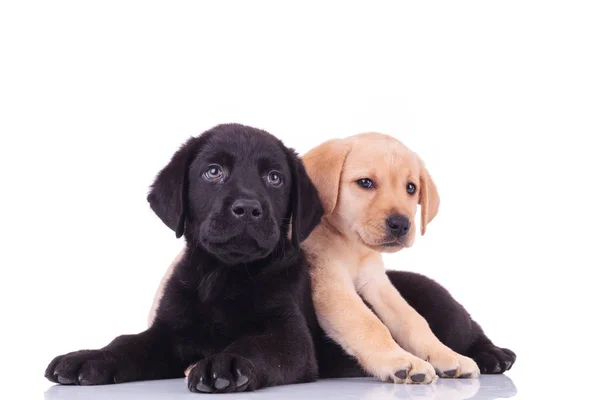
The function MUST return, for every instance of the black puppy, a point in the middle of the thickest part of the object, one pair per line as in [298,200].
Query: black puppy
[238,303]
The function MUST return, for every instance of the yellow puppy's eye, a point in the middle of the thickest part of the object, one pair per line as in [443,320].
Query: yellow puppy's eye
[411,188]
[365,183]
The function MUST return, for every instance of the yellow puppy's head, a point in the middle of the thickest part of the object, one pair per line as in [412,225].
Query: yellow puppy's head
[370,185]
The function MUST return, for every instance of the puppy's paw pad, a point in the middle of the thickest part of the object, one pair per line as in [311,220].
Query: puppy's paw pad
[402,374]
[417,378]
[221,384]
[64,381]
[222,373]
[241,379]
[451,373]
[203,387]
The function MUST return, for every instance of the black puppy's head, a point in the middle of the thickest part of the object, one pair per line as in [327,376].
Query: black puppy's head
[234,190]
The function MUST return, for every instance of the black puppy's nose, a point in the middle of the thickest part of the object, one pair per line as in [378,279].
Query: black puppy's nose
[247,209]
[398,225]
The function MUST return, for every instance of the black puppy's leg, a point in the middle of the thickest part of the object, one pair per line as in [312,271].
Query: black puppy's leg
[147,355]
[284,354]
[450,322]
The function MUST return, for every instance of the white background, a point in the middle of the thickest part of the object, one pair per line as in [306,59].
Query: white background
[501,100]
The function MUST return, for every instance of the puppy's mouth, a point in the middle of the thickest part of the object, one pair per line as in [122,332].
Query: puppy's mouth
[242,248]
[391,244]
[238,249]
[383,245]
[239,246]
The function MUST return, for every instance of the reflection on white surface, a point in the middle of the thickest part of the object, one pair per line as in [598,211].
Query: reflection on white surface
[486,387]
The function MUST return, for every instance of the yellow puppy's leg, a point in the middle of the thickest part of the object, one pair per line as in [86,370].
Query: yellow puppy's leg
[408,327]
[347,320]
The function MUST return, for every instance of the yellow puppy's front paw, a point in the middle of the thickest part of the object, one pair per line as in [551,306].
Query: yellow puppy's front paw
[402,367]
[449,364]
[419,371]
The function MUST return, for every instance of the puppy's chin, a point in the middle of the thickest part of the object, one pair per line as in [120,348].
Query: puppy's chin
[383,244]
[238,249]
[391,247]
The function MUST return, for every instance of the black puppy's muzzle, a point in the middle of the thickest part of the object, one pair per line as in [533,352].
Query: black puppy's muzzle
[240,229]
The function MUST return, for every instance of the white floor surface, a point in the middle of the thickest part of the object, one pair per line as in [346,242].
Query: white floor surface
[486,387]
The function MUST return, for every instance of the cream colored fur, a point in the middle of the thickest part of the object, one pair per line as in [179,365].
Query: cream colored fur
[346,264]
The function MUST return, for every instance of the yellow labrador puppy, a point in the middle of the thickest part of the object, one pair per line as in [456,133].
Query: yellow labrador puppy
[370,185]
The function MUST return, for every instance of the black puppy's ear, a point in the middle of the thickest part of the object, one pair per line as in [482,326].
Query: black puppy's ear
[306,207]
[168,193]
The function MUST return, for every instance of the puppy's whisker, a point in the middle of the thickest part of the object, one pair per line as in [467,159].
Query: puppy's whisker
[280,249]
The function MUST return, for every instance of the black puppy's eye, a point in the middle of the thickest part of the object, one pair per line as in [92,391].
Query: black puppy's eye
[411,188]
[213,172]
[365,183]
[275,179]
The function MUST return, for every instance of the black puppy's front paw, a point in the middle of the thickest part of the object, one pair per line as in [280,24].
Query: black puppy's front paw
[222,373]
[494,360]
[85,367]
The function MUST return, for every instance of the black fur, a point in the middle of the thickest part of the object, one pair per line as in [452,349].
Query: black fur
[238,304]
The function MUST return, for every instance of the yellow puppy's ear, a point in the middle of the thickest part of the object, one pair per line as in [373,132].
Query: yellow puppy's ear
[324,165]
[429,198]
